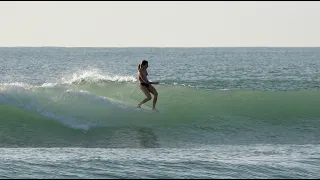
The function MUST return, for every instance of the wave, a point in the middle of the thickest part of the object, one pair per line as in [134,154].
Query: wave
[74,113]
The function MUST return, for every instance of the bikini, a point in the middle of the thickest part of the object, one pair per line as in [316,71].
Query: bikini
[142,83]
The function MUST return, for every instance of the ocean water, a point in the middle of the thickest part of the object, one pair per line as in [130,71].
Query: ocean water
[223,113]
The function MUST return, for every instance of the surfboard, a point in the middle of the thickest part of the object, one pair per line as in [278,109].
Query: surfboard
[130,105]
[143,108]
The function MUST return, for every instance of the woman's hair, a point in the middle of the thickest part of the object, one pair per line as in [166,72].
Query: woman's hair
[144,62]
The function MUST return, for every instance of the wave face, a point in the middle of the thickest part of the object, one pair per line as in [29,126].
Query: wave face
[93,111]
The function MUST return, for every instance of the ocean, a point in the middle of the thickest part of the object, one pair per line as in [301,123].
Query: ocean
[242,112]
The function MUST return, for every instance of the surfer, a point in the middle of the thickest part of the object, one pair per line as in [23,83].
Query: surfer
[145,85]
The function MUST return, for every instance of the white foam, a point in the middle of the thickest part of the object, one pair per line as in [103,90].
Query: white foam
[224,89]
[68,121]
[16,85]
[96,76]
[48,84]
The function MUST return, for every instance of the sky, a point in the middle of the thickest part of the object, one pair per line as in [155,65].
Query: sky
[160,23]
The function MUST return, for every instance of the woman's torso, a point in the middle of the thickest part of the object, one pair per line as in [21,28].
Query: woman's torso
[139,76]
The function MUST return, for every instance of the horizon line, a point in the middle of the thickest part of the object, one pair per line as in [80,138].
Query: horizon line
[159,47]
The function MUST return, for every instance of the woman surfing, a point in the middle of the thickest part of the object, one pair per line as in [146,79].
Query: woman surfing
[146,86]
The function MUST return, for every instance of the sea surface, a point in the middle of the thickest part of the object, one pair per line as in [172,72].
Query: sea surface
[242,112]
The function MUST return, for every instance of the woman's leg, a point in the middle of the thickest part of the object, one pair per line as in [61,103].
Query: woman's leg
[145,90]
[155,94]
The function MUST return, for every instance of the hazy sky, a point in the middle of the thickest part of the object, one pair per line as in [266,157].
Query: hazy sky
[159,24]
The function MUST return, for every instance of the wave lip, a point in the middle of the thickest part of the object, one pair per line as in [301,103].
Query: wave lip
[96,77]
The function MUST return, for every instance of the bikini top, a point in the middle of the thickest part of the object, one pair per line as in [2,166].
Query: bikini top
[140,76]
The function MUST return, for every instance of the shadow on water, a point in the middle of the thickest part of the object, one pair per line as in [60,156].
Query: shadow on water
[147,138]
